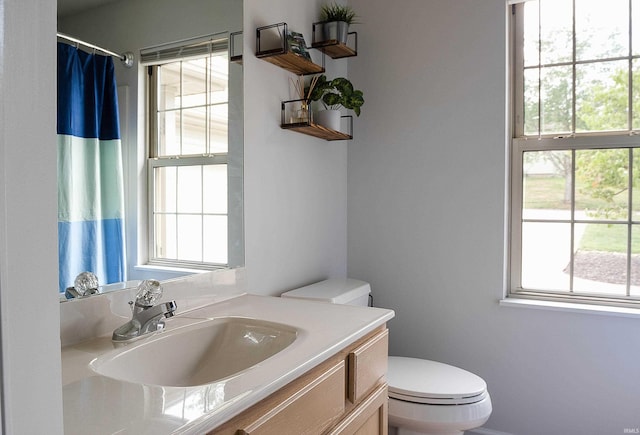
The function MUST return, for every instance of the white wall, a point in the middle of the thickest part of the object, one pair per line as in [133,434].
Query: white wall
[31,384]
[426,223]
[295,185]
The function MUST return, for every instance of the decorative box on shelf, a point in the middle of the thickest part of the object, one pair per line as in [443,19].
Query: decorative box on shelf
[296,115]
[331,46]
[286,49]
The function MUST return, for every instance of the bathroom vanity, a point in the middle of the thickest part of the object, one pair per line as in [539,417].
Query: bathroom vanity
[329,379]
[346,394]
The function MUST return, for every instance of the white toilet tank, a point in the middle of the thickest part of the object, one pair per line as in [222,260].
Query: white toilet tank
[345,291]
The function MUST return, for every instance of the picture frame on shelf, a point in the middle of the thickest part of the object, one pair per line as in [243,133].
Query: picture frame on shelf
[297,45]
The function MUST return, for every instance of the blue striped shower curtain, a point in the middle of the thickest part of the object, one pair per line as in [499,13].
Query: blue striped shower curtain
[90,186]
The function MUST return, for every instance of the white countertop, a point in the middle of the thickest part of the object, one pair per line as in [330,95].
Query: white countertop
[100,405]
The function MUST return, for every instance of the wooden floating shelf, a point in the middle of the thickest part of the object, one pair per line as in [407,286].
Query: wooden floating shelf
[316,130]
[291,62]
[335,49]
[286,54]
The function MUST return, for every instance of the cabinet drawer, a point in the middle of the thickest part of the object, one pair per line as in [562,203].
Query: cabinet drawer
[310,410]
[367,366]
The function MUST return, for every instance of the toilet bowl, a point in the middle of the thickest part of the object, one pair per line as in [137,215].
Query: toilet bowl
[425,397]
[434,398]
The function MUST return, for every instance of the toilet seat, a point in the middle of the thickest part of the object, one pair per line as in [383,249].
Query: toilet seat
[430,382]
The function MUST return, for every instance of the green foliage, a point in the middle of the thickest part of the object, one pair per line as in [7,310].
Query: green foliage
[603,103]
[604,174]
[336,12]
[336,93]
[608,238]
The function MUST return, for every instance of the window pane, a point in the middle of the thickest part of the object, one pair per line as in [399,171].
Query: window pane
[531,101]
[602,96]
[165,189]
[635,261]
[636,91]
[546,185]
[194,131]
[194,79]
[190,237]
[556,83]
[219,79]
[602,29]
[189,189]
[215,189]
[546,249]
[169,133]
[531,34]
[602,181]
[169,86]
[219,128]
[600,260]
[165,236]
[635,10]
[636,185]
[215,239]
[556,30]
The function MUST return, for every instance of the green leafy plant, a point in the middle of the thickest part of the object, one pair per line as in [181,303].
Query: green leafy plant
[335,93]
[336,12]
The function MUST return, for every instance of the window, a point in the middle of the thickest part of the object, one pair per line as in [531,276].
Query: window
[188,148]
[575,155]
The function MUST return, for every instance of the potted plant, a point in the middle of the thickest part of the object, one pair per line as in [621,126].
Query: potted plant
[335,20]
[334,94]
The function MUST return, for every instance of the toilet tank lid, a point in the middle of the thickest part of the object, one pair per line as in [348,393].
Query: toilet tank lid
[335,290]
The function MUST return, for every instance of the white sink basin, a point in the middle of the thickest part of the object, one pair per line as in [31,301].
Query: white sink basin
[197,354]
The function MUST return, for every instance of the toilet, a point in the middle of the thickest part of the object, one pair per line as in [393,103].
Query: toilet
[425,397]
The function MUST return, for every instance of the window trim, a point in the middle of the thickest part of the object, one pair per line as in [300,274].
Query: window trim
[153,58]
[518,143]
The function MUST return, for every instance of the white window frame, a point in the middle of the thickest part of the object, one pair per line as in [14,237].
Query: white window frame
[151,57]
[520,143]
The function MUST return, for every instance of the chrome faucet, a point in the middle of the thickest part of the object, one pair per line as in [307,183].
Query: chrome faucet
[147,317]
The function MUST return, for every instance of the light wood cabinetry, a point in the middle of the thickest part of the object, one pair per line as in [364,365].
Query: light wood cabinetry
[368,418]
[345,395]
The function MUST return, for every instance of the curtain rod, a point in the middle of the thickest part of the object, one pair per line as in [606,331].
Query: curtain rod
[126,58]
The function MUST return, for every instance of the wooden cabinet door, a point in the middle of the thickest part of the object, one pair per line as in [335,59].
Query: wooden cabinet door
[368,418]
[309,405]
[367,366]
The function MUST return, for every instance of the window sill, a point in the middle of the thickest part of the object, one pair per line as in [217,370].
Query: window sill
[177,271]
[571,307]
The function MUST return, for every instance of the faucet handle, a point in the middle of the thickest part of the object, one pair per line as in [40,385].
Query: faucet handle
[148,292]
[86,283]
